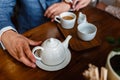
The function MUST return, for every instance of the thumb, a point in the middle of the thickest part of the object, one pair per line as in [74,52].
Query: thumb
[34,43]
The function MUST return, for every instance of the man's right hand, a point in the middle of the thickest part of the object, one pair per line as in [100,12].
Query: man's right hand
[18,47]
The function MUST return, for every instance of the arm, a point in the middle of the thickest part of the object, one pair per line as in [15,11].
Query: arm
[115,11]
[6,11]
[16,44]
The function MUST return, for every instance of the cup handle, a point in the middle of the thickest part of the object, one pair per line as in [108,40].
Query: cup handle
[57,19]
[34,50]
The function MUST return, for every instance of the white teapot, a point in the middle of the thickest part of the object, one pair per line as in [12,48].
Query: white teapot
[52,51]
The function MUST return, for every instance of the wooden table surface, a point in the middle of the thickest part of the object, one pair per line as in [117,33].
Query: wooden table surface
[10,69]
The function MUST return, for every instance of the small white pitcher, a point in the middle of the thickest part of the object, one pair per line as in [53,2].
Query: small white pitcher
[81,18]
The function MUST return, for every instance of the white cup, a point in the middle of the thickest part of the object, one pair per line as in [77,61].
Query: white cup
[66,19]
[112,75]
[86,31]
[81,18]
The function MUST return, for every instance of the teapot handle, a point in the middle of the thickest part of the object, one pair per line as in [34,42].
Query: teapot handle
[34,51]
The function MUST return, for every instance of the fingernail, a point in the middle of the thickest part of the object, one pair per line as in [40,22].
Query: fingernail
[73,6]
[33,65]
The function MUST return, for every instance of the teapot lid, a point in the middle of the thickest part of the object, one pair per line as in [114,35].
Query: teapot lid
[52,42]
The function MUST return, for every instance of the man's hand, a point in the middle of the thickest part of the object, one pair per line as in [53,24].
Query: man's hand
[56,9]
[18,47]
[78,4]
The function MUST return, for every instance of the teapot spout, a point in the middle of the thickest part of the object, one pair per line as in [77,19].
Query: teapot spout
[66,42]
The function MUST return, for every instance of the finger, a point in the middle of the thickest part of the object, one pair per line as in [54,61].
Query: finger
[73,0]
[24,59]
[46,12]
[52,17]
[26,62]
[49,9]
[51,13]
[82,5]
[34,43]
[54,14]
[74,3]
[28,53]
[52,20]
[13,53]
[78,6]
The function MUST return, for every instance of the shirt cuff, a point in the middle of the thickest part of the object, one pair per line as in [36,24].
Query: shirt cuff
[2,31]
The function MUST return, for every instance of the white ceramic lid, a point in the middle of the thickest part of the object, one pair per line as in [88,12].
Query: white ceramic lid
[51,43]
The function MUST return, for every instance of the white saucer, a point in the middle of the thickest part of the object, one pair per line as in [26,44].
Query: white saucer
[56,67]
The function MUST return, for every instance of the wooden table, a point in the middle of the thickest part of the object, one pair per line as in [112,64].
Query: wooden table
[10,69]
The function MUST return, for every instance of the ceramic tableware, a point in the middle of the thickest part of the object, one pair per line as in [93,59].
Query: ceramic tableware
[112,75]
[86,31]
[81,18]
[66,19]
[52,52]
